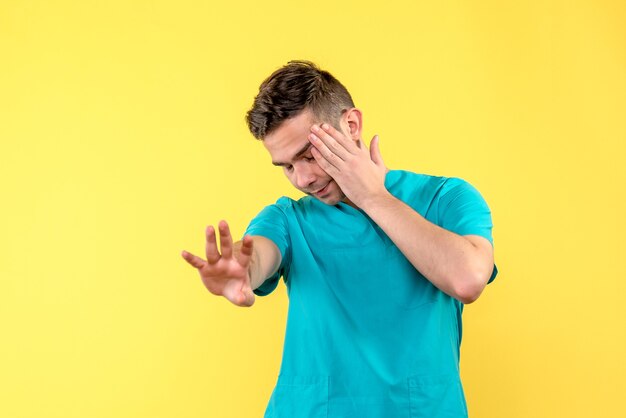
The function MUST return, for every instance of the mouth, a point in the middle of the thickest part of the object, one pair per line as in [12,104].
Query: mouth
[321,191]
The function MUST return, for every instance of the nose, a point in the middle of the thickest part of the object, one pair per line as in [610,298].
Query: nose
[304,176]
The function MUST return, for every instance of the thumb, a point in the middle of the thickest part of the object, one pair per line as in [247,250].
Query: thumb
[248,296]
[375,151]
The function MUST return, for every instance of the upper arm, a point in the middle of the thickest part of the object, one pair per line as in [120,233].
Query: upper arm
[464,211]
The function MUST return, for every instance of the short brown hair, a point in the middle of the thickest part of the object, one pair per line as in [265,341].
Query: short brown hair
[297,86]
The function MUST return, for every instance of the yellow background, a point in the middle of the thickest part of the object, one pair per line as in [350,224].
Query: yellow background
[122,136]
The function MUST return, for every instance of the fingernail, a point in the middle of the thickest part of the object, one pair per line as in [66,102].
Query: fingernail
[315,128]
[325,126]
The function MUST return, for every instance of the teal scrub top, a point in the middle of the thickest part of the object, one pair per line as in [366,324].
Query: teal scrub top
[367,335]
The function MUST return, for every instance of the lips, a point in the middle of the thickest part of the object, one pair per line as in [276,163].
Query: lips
[323,189]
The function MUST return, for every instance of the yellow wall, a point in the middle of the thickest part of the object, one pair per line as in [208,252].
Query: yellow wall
[122,136]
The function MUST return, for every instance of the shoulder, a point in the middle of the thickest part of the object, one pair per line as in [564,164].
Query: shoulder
[455,187]
[455,182]
[438,186]
[416,188]
[284,203]
[275,212]
[405,178]
[289,208]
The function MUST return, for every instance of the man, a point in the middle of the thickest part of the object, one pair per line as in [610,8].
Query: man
[378,263]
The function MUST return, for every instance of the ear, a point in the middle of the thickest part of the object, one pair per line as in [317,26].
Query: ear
[352,120]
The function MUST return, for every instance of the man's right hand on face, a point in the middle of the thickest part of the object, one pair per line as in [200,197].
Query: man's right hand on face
[227,274]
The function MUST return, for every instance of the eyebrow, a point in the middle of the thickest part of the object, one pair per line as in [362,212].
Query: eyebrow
[299,153]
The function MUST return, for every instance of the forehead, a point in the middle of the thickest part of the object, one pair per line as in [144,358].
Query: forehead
[290,137]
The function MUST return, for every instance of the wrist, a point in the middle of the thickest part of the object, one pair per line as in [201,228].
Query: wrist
[376,200]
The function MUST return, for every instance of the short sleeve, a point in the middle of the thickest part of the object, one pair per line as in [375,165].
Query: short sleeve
[463,210]
[272,224]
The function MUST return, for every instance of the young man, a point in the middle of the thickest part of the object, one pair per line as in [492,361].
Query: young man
[378,263]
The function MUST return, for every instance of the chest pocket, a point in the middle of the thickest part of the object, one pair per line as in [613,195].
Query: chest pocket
[299,396]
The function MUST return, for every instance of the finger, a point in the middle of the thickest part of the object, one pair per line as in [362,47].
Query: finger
[331,142]
[245,296]
[243,299]
[245,254]
[194,260]
[346,143]
[248,299]
[375,151]
[212,256]
[332,158]
[242,296]
[226,241]
[330,169]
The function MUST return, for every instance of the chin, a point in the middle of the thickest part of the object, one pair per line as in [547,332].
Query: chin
[331,200]
[334,197]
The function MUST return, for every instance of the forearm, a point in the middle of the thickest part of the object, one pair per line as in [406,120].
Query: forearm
[264,262]
[443,257]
